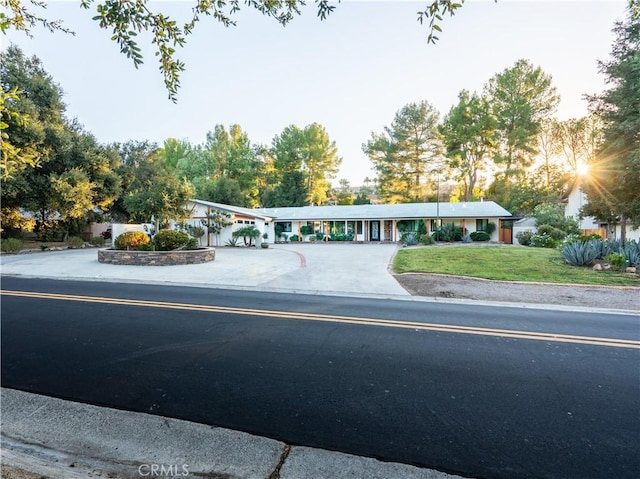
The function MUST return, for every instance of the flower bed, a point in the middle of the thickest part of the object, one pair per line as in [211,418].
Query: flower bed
[156,258]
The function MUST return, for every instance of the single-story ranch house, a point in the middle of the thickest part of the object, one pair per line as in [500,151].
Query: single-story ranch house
[367,223]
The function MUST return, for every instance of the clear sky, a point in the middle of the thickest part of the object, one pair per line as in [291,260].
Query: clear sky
[350,73]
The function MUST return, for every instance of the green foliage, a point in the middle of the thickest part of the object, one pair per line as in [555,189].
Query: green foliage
[169,240]
[632,253]
[614,179]
[97,241]
[543,241]
[426,239]
[470,137]
[448,233]
[409,238]
[521,97]
[131,240]
[264,245]
[217,220]
[405,152]
[552,214]
[232,242]
[579,253]
[616,260]
[479,236]
[145,247]
[75,242]
[554,233]
[306,230]
[340,237]
[195,231]
[491,228]
[11,245]
[319,235]
[247,233]
[524,237]
[294,238]
[193,243]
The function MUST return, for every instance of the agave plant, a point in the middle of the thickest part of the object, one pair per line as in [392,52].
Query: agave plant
[632,253]
[579,253]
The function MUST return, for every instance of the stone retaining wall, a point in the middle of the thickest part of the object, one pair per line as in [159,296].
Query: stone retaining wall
[156,258]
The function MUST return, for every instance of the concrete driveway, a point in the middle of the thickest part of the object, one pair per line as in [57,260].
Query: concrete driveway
[310,268]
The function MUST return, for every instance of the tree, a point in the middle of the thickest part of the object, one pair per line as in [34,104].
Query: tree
[307,151]
[469,132]
[126,19]
[75,176]
[613,184]
[521,97]
[405,152]
[222,190]
[579,140]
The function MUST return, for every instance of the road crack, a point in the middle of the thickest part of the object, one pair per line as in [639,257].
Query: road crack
[283,457]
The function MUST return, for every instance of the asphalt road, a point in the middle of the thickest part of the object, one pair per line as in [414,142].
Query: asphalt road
[478,391]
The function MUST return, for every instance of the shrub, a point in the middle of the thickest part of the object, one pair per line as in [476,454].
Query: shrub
[131,240]
[145,247]
[233,242]
[448,233]
[75,242]
[193,243]
[320,236]
[480,236]
[524,238]
[579,253]
[543,241]
[426,239]
[306,230]
[491,227]
[168,240]
[264,245]
[195,231]
[632,253]
[409,238]
[97,241]
[11,245]
[294,238]
[340,237]
[616,260]
[554,233]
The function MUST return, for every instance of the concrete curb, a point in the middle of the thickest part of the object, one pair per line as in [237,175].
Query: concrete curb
[343,294]
[54,438]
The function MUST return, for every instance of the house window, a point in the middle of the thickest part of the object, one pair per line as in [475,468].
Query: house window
[481,225]
[359,227]
[283,226]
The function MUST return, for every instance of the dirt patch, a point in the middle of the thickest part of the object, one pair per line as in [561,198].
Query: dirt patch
[444,286]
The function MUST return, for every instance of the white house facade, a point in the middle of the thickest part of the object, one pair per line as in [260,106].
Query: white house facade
[576,199]
[360,223]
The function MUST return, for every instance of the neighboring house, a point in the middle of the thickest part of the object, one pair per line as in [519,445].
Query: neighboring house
[523,224]
[370,223]
[576,199]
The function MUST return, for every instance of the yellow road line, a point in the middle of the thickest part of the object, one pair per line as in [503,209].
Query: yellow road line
[448,328]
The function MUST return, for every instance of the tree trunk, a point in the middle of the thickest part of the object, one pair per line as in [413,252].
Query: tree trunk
[623,230]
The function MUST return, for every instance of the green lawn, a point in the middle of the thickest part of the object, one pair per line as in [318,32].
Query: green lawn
[510,263]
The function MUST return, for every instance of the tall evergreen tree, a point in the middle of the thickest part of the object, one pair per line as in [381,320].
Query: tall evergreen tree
[613,184]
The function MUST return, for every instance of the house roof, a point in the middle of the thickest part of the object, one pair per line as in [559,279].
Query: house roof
[476,209]
[253,213]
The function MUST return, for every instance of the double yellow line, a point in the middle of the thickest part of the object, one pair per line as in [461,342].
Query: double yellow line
[418,326]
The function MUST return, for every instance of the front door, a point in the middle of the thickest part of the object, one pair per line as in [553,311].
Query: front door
[375,231]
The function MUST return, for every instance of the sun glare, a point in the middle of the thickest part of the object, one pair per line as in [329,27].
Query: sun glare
[583,169]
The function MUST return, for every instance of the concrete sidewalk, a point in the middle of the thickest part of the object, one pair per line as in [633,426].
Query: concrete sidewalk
[61,439]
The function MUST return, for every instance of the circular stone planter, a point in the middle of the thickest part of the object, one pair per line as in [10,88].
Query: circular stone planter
[156,258]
